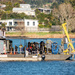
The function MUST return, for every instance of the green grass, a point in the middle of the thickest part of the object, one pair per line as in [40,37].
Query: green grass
[13,33]
[31,33]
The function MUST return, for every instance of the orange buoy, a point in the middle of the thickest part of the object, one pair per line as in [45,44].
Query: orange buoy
[11,51]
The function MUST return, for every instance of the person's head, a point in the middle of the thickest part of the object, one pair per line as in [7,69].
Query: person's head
[0,28]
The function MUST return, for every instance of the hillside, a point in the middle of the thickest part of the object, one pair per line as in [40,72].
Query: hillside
[38,3]
[13,1]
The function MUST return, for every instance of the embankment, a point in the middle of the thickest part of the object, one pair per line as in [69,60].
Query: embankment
[42,36]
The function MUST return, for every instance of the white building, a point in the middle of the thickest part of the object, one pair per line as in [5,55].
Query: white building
[45,10]
[2,5]
[29,24]
[24,8]
[9,24]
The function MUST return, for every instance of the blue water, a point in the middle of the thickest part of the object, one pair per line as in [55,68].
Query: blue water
[38,68]
[24,42]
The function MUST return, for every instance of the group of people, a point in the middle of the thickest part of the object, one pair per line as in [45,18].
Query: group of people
[21,49]
[33,48]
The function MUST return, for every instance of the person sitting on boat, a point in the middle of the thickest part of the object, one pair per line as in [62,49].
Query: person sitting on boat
[34,49]
[31,49]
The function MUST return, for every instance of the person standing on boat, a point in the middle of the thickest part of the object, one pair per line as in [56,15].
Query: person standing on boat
[21,46]
[1,33]
[16,48]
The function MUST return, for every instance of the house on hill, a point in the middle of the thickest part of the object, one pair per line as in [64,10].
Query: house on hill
[24,8]
[28,25]
[45,10]
[2,5]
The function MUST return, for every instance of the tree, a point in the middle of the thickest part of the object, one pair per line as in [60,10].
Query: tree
[37,12]
[54,5]
[73,3]
[3,27]
[16,4]
[8,6]
[65,13]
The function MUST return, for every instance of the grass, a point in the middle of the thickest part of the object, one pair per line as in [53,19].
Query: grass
[13,33]
[31,33]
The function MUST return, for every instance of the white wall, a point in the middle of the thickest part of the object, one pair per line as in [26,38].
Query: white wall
[30,13]
[27,12]
[7,22]
[31,23]
[3,6]
[25,6]
[31,27]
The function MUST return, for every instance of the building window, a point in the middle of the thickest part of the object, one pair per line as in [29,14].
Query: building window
[33,23]
[27,23]
[10,23]
[7,28]
[15,23]
[0,22]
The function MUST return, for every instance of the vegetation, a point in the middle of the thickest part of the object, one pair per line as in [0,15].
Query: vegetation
[3,27]
[39,3]
[32,33]
[10,15]
[63,11]
[73,3]
[46,20]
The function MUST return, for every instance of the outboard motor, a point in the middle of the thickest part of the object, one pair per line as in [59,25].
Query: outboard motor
[43,57]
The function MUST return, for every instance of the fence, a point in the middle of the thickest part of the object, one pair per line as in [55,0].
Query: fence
[53,28]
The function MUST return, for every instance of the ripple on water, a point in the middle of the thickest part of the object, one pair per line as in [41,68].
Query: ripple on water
[38,68]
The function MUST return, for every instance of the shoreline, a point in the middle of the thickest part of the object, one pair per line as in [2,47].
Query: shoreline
[40,36]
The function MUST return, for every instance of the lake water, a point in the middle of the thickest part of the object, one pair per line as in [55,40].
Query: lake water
[38,68]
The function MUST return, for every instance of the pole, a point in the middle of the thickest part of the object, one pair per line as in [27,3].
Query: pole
[24,51]
[24,48]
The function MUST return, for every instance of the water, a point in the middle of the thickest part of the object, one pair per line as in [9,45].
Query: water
[38,68]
